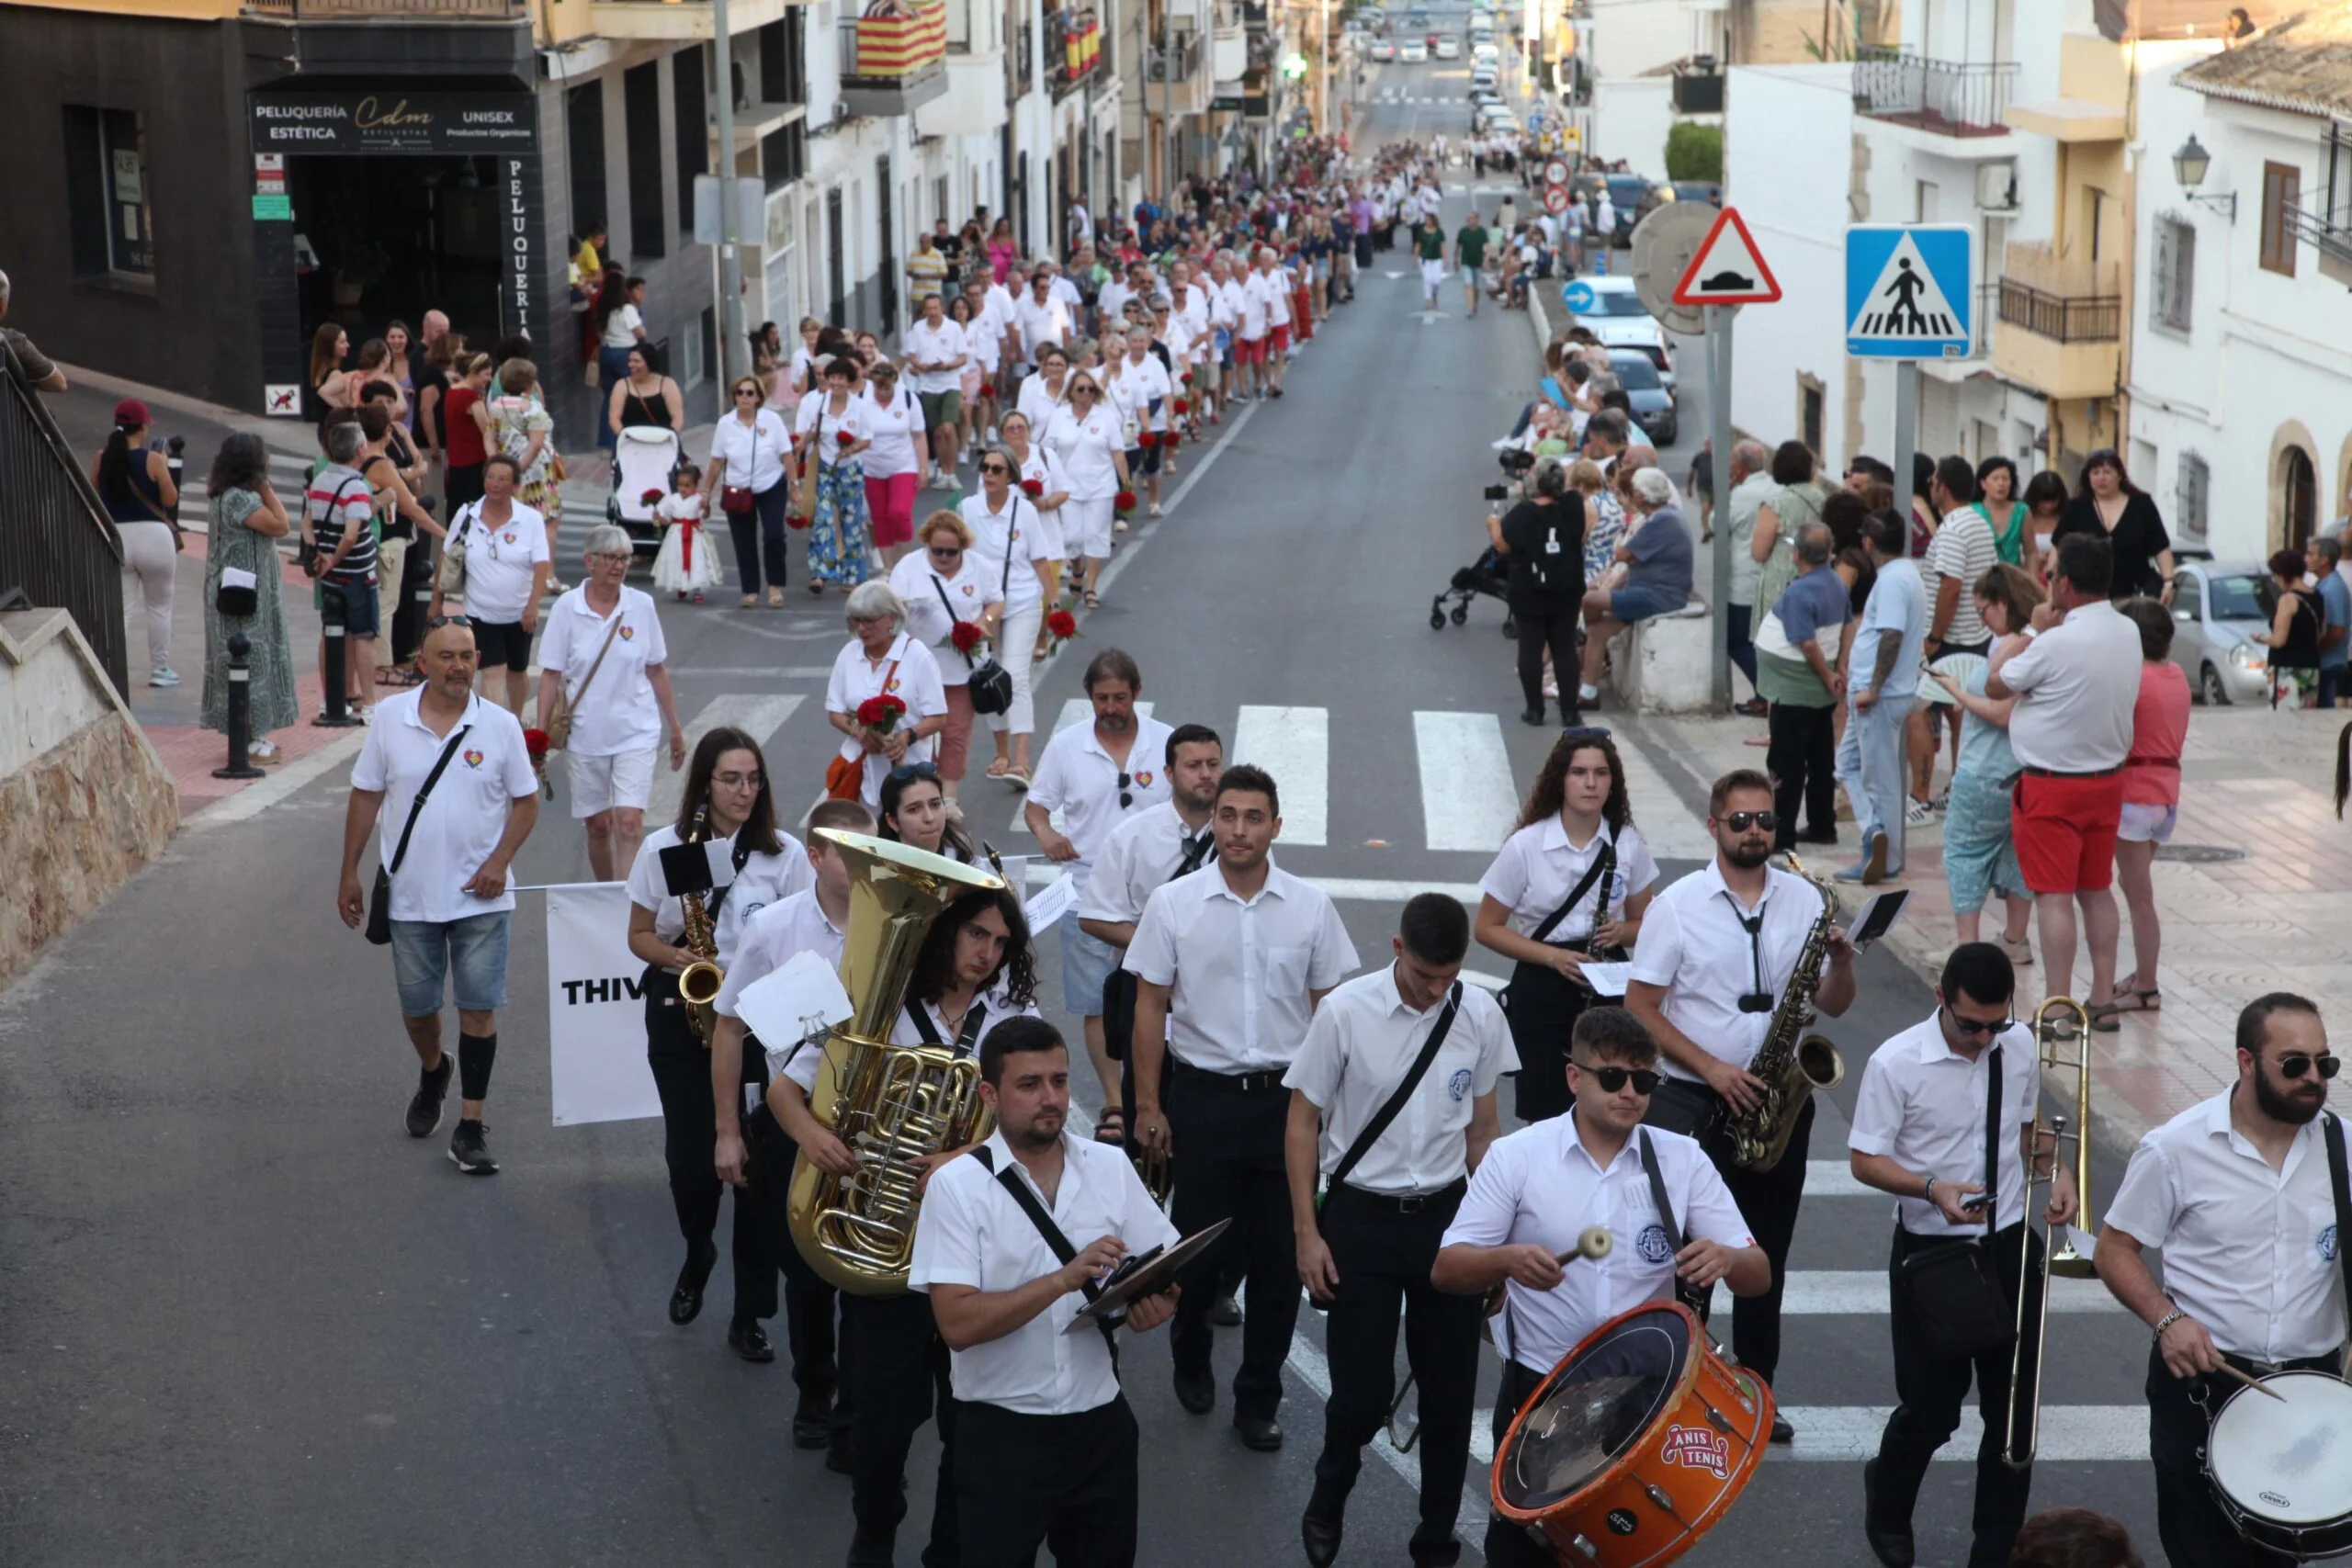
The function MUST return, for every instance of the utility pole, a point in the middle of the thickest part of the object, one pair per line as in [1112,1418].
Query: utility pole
[732,340]
[1166,103]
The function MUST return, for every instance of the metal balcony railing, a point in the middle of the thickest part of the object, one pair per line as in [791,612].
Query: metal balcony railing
[1024,61]
[391,10]
[1073,49]
[1942,95]
[890,49]
[56,546]
[2062,318]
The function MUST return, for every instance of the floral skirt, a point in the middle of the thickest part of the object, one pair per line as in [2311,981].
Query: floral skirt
[840,538]
[546,498]
[1979,856]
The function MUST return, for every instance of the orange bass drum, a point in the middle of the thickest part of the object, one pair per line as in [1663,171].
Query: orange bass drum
[1635,1445]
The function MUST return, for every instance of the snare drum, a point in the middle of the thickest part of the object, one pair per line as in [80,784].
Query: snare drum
[2282,1473]
[1635,1445]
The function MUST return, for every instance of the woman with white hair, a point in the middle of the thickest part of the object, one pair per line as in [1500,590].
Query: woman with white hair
[603,656]
[1657,556]
[882,661]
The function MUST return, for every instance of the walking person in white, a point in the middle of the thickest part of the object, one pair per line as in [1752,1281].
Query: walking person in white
[881,660]
[1009,547]
[1085,439]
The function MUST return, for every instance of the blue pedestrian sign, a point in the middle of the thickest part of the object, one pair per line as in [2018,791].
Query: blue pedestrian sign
[1909,291]
[1580,298]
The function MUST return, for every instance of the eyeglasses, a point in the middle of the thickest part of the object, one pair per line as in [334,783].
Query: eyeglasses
[1584,732]
[438,622]
[610,558]
[740,780]
[1977,1026]
[1612,1079]
[947,552]
[747,391]
[1740,821]
[2295,1064]
[907,773]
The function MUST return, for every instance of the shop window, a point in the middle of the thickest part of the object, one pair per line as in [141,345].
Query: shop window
[584,133]
[694,129]
[106,193]
[648,232]
[2174,272]
[2283,189]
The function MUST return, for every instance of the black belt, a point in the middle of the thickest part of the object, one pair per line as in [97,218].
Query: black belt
[1270,1078]
[2055,773]
[1401,1204]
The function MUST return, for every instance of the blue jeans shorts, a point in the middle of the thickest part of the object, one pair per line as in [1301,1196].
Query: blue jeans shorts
[1631,605]
[425,952]
[360,616]
[1087,962]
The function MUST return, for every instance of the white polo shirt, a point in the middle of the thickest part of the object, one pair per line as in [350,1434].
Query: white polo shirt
[1542,1185]
[970,1231]
[1240,970]
[764,879]
[617,713]
[499,561]
[908,673]
[1279,285]
[1196,308]
[2077,682]
[464,816]
[1255,306]
[1016,532]
[935,346]
[1111,300]
[1038,404]
[1134,388]
[1540,867]
[1141,852]
[1693,942]
[1225,303]
[934,604]
[1362,1040]
[2249,1252]
[1922,1105]
[1077,777]
[1040,324]
[766,943]
[816,418]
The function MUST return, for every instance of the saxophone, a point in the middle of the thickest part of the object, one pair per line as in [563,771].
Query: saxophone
[1791,1063]
[699,981]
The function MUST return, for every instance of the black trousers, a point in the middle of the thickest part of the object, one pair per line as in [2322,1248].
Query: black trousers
[1508,1545]
[2195,1532]
[1230,1142]
[1803,760]
[1541,629]
[762,528]
[1384,1254]
[898,1365]
[1928,1389]
[1543,1009]
[680,1064]
[1768,1199]
[1067,1483]
[809,1302]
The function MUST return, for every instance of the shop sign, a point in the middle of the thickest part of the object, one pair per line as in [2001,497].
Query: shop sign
[359,121]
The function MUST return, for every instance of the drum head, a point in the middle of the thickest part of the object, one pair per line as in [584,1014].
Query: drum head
[1596,1403]
[2288,1463]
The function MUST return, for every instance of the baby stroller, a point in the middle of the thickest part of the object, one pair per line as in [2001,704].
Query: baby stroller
[1487,575]
[644,457]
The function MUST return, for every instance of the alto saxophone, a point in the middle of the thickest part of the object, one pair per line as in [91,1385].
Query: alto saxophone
[699,981]
[1791,1063]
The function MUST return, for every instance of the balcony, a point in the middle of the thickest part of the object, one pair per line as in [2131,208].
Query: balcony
[1073,50]
[684,21]
[1228,50]
[1698,89]
[892,65]
[1943,98]
[2061,321]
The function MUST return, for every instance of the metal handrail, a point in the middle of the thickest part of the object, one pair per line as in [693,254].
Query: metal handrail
[2096,318]
[57,545]
[1892,83]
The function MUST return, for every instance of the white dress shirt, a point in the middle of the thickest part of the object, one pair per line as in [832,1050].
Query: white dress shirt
[464,816]
[801,1066]
[970,1231]
[1540,867]
[764,879]
[1038,404]
[1240,971]
[1078,777]
[1694,943]
[617,711]
[2249,1252]
[1542,1185]
[2077,685]
[908,673]
[1922,1105]
[1364,1040]
[1142,851]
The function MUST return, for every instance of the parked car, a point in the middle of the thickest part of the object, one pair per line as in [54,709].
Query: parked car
[1413,52]
[1482,94]
[1708,191]
[2216,607]
[1482,79]
[1448,48]
[1653,399]
[1619,319]
[1383,51]
[1484,53]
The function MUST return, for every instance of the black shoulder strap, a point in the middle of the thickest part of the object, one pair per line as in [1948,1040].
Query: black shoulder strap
[1674,1236]
[941,589]
[1010,1181]
[417,805]
[1602,864]
[2337,1178]
[1197,849]
[920,1016]
[1993,1141]
[1404,1091]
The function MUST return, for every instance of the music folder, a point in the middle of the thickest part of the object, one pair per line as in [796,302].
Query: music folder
[1145,1274]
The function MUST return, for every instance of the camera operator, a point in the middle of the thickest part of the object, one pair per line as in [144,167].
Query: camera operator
[1542,541]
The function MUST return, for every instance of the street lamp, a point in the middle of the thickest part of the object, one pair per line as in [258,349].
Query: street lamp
[2190,166]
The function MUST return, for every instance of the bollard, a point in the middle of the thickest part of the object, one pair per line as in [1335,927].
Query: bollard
[338,717]
[240,711]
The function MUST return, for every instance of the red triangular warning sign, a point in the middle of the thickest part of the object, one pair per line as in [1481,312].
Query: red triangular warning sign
[1728,269]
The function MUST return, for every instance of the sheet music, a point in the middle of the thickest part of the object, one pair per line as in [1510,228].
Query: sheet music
[1048,904]
[802,998]
[1606,980]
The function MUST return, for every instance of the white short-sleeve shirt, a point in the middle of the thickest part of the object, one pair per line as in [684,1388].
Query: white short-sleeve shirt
[1693,942]
[1040,324]
[1016,532]
[766,942]
[1084,446]
[499,561]
[1078,777]
[1136,387]
[1238,970]
[464,816]
[2078,684]
[1144,850]
[617,712]
[1540,867]
[1922,1105]
[914,681]
[764,879]
[816,417]
[895,429]
[756,449]
[930,597]
[1038,404]
[1257,307]
[937,346]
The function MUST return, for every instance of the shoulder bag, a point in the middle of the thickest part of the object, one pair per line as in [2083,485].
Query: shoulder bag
[450,575]
[1956,1293]
[1690,1295]
[558,724]
[846,777]
[237,592]
[309,556]
[2338,1178]
[379,901]
[808,469]
[990,687]
[1540,992]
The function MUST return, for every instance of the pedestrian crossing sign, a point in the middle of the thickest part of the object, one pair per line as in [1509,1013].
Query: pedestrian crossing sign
[1910,292]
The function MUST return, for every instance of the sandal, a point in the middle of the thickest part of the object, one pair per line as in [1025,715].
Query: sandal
[776,598]
[2149,1000]
[1000,768]
[2102,1018]
[1093,599]
[749,602]
[1111,1127]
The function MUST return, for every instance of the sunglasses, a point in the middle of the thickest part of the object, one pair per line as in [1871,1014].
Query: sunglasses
[1974,1026]
[2295,1064]
[946,552]
[1584,732]
[907,773]
[439,621]
[996,468]
[1612,1079]
[747,391]
[1740,821]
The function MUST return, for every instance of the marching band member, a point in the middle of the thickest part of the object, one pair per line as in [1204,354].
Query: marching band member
[813,921]
[1539,1188]
[729,778]
[1717,952]
[1395,1174]
[2236,1193]
[1229,967]
[915,812]
[1006,1239]
[1920,1131]
[974,971]
[1572,883]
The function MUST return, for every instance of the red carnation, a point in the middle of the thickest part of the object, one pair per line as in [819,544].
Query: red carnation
[534,741]
[1184,405]
[846,437]
[1062,624]
[1033,488]
[1149,438]
[1123,503]
[650,497]
[967,636]
[881,713]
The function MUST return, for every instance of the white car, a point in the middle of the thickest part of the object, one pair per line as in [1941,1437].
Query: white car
[1485,54]
[1449,48]
[1413,52]
[1615,315]
[1482,77]
[1383,51]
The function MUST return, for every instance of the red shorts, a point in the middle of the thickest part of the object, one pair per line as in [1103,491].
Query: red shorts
[1249,351]
[1280,338]
[2065,830]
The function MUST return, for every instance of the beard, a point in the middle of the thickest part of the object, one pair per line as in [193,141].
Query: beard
[1747,855]
[1116,722]
[2295,1107]
[1040,1132]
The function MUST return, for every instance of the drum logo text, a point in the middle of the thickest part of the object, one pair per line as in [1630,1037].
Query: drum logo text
[1697,1448]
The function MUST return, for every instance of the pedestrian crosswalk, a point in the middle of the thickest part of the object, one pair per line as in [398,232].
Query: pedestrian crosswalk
[758,714]
[287,476]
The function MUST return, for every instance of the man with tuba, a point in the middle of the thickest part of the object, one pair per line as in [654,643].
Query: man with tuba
[1719,953]
[1946,1115]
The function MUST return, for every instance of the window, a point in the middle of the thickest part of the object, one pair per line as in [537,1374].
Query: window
[583,131]
[697,356]
[649,232]
[694,129]
[2190,488]
[106,184]
[1811,412]
[2282,192]
[2174,272]
[783,154]
[784,63]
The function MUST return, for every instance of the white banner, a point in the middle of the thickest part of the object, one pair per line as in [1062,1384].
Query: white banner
[596,1009]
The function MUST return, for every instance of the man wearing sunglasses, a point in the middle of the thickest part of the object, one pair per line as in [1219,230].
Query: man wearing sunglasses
[2246,1195]
[1537,1190]
[1920,1132]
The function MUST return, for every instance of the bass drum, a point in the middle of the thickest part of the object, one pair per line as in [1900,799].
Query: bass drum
[1635,1445]
[2281,1469]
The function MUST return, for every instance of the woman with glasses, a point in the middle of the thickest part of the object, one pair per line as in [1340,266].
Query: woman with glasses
[943,587]
[1048,392]
[835,429]
[605,657]
[915,812]
[1571,883]
[747,453]
[729,776]
[1035,467]
[1011,545]
[881,660]
[1085,439]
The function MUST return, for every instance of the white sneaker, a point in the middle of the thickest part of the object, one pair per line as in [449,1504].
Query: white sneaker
[163,675]
[1587,693]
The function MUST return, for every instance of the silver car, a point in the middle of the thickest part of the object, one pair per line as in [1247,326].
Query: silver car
[2216,607]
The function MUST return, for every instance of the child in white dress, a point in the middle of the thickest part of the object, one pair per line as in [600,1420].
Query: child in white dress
[688,559]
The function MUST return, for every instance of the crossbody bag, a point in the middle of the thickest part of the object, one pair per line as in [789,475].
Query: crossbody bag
[991,684]
[1119,986]
[1955,1287]
[379,901]
[1010,1181]
[558,723]
[846,777]
[1541,992]
[737,501]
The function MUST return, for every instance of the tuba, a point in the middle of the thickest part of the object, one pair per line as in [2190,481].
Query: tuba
[699,981]
[890,1104]
[1792,1062]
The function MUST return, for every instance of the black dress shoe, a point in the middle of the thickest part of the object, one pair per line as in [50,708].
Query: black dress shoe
[873,1549]
[1197,1395]
[810,1429]
[1893,1548]
[1263,1433]
[837,1457]
[750,1341]
[1225,1312]
[1318,1528]
[685,1301]
[1443,1554]
[1530,715]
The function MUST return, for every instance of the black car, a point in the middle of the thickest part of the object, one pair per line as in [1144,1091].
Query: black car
[1653,401]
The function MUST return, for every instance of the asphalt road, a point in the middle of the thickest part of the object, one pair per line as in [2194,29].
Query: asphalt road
[244,1320]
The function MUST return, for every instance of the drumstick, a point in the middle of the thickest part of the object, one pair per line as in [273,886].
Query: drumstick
[2254,1383]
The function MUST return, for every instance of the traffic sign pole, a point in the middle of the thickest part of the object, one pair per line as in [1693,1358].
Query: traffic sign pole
[1906,430]
[1719,319]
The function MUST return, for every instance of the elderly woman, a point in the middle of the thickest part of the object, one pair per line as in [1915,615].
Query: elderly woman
[602,656]
[1657,556]
[1085,439]
[747,453]
[833,429]
[881,660]
[1980,857]
[1011,545]
[943,588]
[520,426]
[242,517]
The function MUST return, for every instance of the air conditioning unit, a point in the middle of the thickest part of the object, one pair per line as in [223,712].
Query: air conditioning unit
[1155,68]
[1997,187]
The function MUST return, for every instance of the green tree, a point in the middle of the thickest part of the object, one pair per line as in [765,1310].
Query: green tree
[1695,151]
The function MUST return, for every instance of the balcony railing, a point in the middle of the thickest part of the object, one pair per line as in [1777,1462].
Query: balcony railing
[391,10]
[1024,61]
[1942,95]
[1073,50]
[2059,317]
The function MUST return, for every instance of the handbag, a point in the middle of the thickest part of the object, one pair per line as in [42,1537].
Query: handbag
[379,901]
[846,777]
[1955,1287]
[237,593]
[990,687]
[449,572]
[737,501]
[558,723]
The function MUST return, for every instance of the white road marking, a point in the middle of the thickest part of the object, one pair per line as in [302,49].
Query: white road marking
[1294,745]
[1835,1178]
[778,672]
[1467,801]
[289,778]
[758,714]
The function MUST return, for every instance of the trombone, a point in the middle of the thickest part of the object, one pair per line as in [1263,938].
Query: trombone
[2062,1038]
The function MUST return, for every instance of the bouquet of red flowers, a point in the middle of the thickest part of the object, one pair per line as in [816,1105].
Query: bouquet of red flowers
[1123,503]
[881,713]
[1032,489]
[846,438]
[1061,626]
[967,636]
[648,498]
[1188,377]
[1183,405]
[535,742]
[1148,439]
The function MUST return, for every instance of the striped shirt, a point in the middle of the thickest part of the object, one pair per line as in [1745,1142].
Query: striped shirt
[339,497]
[1963,549]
